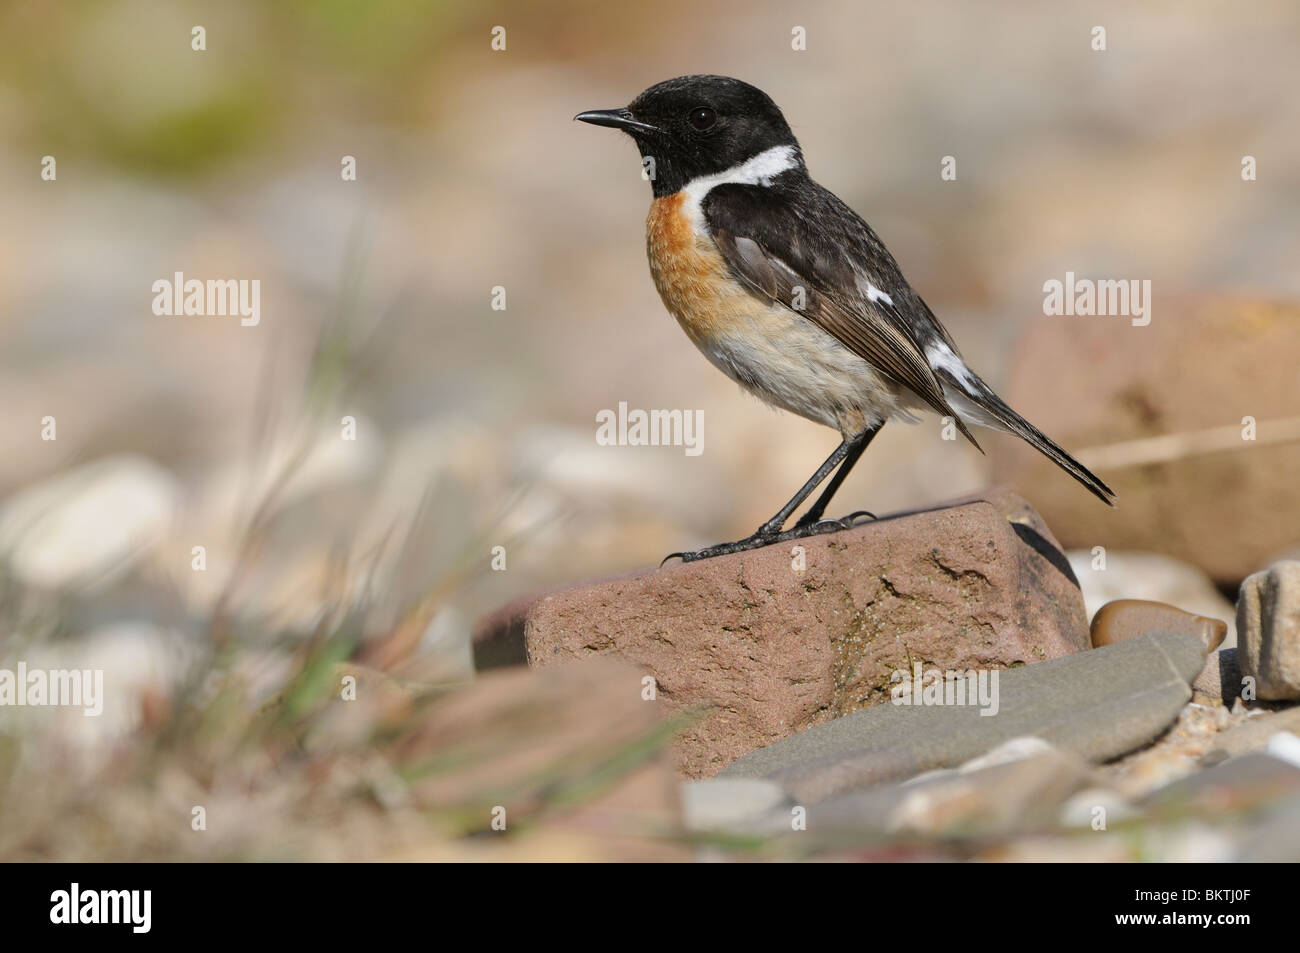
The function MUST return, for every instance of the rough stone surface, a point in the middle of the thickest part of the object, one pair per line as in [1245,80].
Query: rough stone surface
[1097,704]
[1220,680]
[1129,618]
[1093,384]
[1268,627]
[766,643]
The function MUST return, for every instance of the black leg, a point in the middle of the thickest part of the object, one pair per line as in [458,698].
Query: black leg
[773,526]
[770,532]
[858,444]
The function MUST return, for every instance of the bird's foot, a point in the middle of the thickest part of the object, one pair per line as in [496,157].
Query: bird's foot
[844,522]
[757,541]
[767,535]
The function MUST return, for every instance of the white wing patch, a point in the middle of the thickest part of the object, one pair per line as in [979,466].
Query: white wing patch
[940,356]
[867,287]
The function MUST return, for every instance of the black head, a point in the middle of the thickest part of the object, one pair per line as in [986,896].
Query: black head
[698,125]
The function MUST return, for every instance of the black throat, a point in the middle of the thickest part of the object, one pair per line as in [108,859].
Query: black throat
[666,174]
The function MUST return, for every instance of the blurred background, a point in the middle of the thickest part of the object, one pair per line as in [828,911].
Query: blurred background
[475,427]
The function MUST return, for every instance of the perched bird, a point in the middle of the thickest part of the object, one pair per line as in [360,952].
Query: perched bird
[787,291]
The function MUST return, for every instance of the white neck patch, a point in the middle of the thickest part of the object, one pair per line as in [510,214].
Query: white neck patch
[759,170]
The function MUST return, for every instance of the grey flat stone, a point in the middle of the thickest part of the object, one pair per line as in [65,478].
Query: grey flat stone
[1097,704]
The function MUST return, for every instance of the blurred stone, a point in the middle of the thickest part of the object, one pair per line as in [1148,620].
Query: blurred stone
[1276,839]
[765,643]
[1098,382]
[1004,795]
[1284,746]
[89,524]
[1153,578]
[1221,677]
[1018,795]
[1184,841]
[1017,749]
[1240,785]
[1097,704]
[141,665]
[1200,841]
[1094,805]
[1047,849]
[1268,620]
[296,465]
[734,805]
[1129,618]
[573,747]
[570,462]
[1253,735]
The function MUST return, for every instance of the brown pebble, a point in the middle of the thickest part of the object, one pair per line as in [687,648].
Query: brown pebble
[1128,618]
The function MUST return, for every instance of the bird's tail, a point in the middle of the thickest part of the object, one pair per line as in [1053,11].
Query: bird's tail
[975,401]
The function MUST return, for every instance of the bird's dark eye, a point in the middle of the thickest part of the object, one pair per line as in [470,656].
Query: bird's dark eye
[702,117]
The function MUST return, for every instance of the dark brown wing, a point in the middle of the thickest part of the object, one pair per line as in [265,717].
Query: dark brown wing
[805,246]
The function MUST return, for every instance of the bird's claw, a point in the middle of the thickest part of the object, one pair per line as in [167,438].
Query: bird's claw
[844,522]
[765,537]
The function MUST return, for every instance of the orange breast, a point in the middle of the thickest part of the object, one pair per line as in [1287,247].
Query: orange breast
[692,278]
[769,349]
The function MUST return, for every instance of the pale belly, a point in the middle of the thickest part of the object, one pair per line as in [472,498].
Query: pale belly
[770,350]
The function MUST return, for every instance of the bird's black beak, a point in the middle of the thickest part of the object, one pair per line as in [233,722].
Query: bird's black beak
[615,119]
